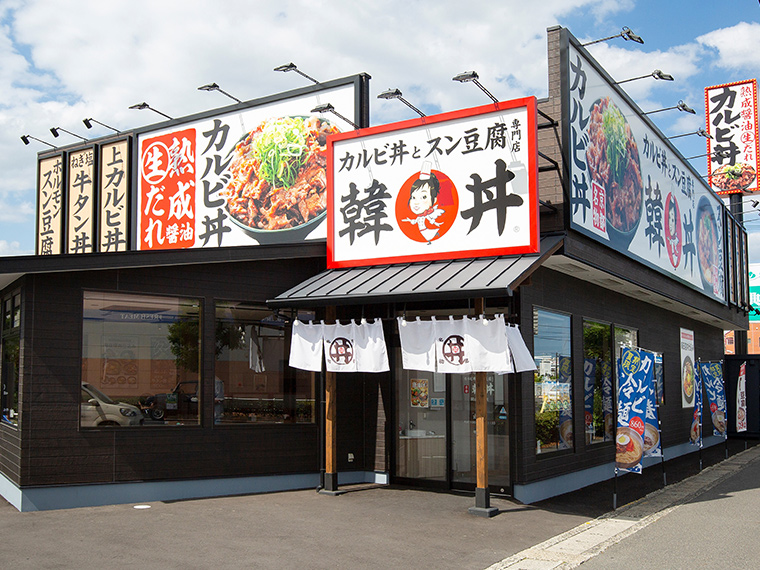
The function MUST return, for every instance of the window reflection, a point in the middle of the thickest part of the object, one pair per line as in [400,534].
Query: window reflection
[597,381]
[552,381]
[140,360]
[253,382]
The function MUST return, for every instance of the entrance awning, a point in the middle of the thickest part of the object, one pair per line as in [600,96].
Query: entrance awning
[453,279]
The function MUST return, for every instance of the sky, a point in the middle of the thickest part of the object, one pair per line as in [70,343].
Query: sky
[63,61]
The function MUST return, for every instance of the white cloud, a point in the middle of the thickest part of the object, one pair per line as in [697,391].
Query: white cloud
[737,46]
[12,248]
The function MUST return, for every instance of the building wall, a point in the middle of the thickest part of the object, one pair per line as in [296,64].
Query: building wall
[54,450]
[658,330]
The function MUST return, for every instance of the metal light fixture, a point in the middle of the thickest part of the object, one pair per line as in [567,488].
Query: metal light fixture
[57,131]
[89,121]
[144,105]
[215,87]
[472,77]
[701,132]
[396,94]
[657,74]
[626,34]
[327,108]
[681,107]
[718,153]
[292,67]
[25,140]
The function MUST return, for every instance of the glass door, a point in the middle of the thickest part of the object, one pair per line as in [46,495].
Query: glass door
[463,444]
[421,424]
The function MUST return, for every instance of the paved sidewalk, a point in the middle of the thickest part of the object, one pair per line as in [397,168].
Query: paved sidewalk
[367,527]
[583,543]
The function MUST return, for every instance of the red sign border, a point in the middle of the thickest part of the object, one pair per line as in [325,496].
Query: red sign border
[529,103]
[753,82]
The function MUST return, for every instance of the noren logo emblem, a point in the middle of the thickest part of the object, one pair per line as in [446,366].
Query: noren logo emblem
[453,350]
[341,351]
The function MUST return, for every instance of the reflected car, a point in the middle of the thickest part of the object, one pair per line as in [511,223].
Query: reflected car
[182,402]
[99,410]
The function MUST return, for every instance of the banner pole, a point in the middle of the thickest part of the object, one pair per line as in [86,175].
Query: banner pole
[615,490]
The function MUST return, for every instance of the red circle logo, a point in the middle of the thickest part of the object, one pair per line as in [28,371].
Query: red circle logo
[427,206]
[637,424]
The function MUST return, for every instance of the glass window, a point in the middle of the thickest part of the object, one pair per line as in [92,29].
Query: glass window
[10,378]
[140,360]
[552,381]
[597,382]
[253,382]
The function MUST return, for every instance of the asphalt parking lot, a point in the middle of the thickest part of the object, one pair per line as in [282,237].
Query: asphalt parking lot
[368,526]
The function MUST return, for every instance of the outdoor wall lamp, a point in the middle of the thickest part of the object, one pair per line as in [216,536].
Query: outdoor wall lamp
[25,140]
[292,67]
[701,132]
[144,105]
[89,121]
[657,74]
[57,131]
[472,77]
[215,87]
[626,34]
[327,108]
[396,94]
[681,107]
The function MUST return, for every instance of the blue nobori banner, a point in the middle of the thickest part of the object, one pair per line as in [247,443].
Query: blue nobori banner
[635,379]
[712,378]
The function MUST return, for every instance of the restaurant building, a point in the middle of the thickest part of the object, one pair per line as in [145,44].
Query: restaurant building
[167,281]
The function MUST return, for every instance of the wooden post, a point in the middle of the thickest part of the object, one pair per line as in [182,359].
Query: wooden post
[331,433]
[482,497]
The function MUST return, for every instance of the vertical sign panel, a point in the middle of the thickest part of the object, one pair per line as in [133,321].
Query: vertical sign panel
[81,202]
[50,206]
[114,196]
[731,116]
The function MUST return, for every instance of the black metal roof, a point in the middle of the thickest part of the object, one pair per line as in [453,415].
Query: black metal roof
[451,279]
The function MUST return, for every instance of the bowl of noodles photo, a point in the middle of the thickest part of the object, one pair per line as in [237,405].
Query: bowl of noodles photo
[687,380]
[278,186]
[613,160]
[707,244]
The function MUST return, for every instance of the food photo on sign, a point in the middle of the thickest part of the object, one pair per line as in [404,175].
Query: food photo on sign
[631,190]
[252,176]
[634,380]
[733,145]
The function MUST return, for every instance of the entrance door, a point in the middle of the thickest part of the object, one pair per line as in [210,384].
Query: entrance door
[463,445]
[435,440]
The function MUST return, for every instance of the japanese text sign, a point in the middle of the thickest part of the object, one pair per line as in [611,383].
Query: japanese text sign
[688,373]
[652,443]
[634,381]
[81,202]
[247,177]
[712,377]
[460,184]
[731,117]
[50,206]
[631,190]
[741,399]
[114,196]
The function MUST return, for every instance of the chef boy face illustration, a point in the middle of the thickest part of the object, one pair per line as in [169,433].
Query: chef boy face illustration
[429,209]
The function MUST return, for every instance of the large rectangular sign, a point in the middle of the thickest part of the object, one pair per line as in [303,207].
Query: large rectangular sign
[81,202]
[50,202]
[731,120]
[114,196]
[247,177]
[460,184]
[630,190]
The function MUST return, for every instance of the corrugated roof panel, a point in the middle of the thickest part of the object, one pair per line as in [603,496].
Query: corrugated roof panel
[432,279]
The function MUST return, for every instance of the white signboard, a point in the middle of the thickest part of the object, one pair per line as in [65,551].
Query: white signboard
[454,185]
[248,177]
[629,189]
